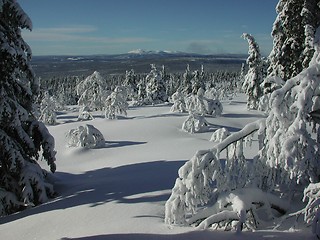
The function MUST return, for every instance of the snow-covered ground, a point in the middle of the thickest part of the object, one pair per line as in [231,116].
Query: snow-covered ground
[119,191]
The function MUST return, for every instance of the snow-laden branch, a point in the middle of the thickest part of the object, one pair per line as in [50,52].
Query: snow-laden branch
[243,133]
[235,206]
[196,177]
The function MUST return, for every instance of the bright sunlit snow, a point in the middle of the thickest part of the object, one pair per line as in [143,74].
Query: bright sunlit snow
[119,191]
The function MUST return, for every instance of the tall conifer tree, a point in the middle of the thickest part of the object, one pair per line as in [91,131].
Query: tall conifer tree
[22,137]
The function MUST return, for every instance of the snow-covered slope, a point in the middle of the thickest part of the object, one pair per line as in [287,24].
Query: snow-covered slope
[119,192]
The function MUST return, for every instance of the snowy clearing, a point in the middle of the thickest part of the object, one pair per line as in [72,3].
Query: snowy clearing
[119,191]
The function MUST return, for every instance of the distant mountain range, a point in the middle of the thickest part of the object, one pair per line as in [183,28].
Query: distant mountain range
[148,52]
[140,54]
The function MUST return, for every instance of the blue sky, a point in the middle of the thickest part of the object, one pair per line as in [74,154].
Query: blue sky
[84,27]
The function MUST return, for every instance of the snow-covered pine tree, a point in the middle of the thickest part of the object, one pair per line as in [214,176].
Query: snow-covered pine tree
[165,78]
[254,76]
[288,160]
[48,108]
[197,81]
[195,103]
[297,160]
[130,83]
[116,103]
[243,73]
[22,137]
[187,81]
[92,92]
[293,33]
[155,89]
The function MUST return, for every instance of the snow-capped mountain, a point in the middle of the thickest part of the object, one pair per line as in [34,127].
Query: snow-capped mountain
[146,52]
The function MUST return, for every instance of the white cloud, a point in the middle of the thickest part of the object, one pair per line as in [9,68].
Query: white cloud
[76,34]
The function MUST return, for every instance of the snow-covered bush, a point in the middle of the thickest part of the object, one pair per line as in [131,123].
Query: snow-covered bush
[202,105]
[84,114]
[214,107]
[211,93]
[219,135]
[86,136]
[178,99]
[195,123]
[116,103]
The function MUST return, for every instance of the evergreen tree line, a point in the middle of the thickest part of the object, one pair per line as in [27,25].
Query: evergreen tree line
[64,88]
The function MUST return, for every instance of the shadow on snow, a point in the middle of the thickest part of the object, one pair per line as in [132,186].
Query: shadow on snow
[200,235]
[117,144]
[129,184]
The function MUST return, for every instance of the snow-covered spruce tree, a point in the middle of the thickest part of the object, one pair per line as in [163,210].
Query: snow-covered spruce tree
[22,137]
[187,81]
[166,78]
[297,160]
[116,103]
[254,76]
[130,83]
[91,92]
[293,33]
[195,103]
[155,88]
[197,82]
[288,160]
[243,73]
[48,107]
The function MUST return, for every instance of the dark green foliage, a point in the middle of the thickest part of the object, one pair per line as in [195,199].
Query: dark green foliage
[22,137]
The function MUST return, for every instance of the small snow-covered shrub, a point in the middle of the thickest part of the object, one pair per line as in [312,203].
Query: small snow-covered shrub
[179,104]
[214,107]
[84,114]
[220,135]
[211,93]
[86,136]
[195,123]
[201,105]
